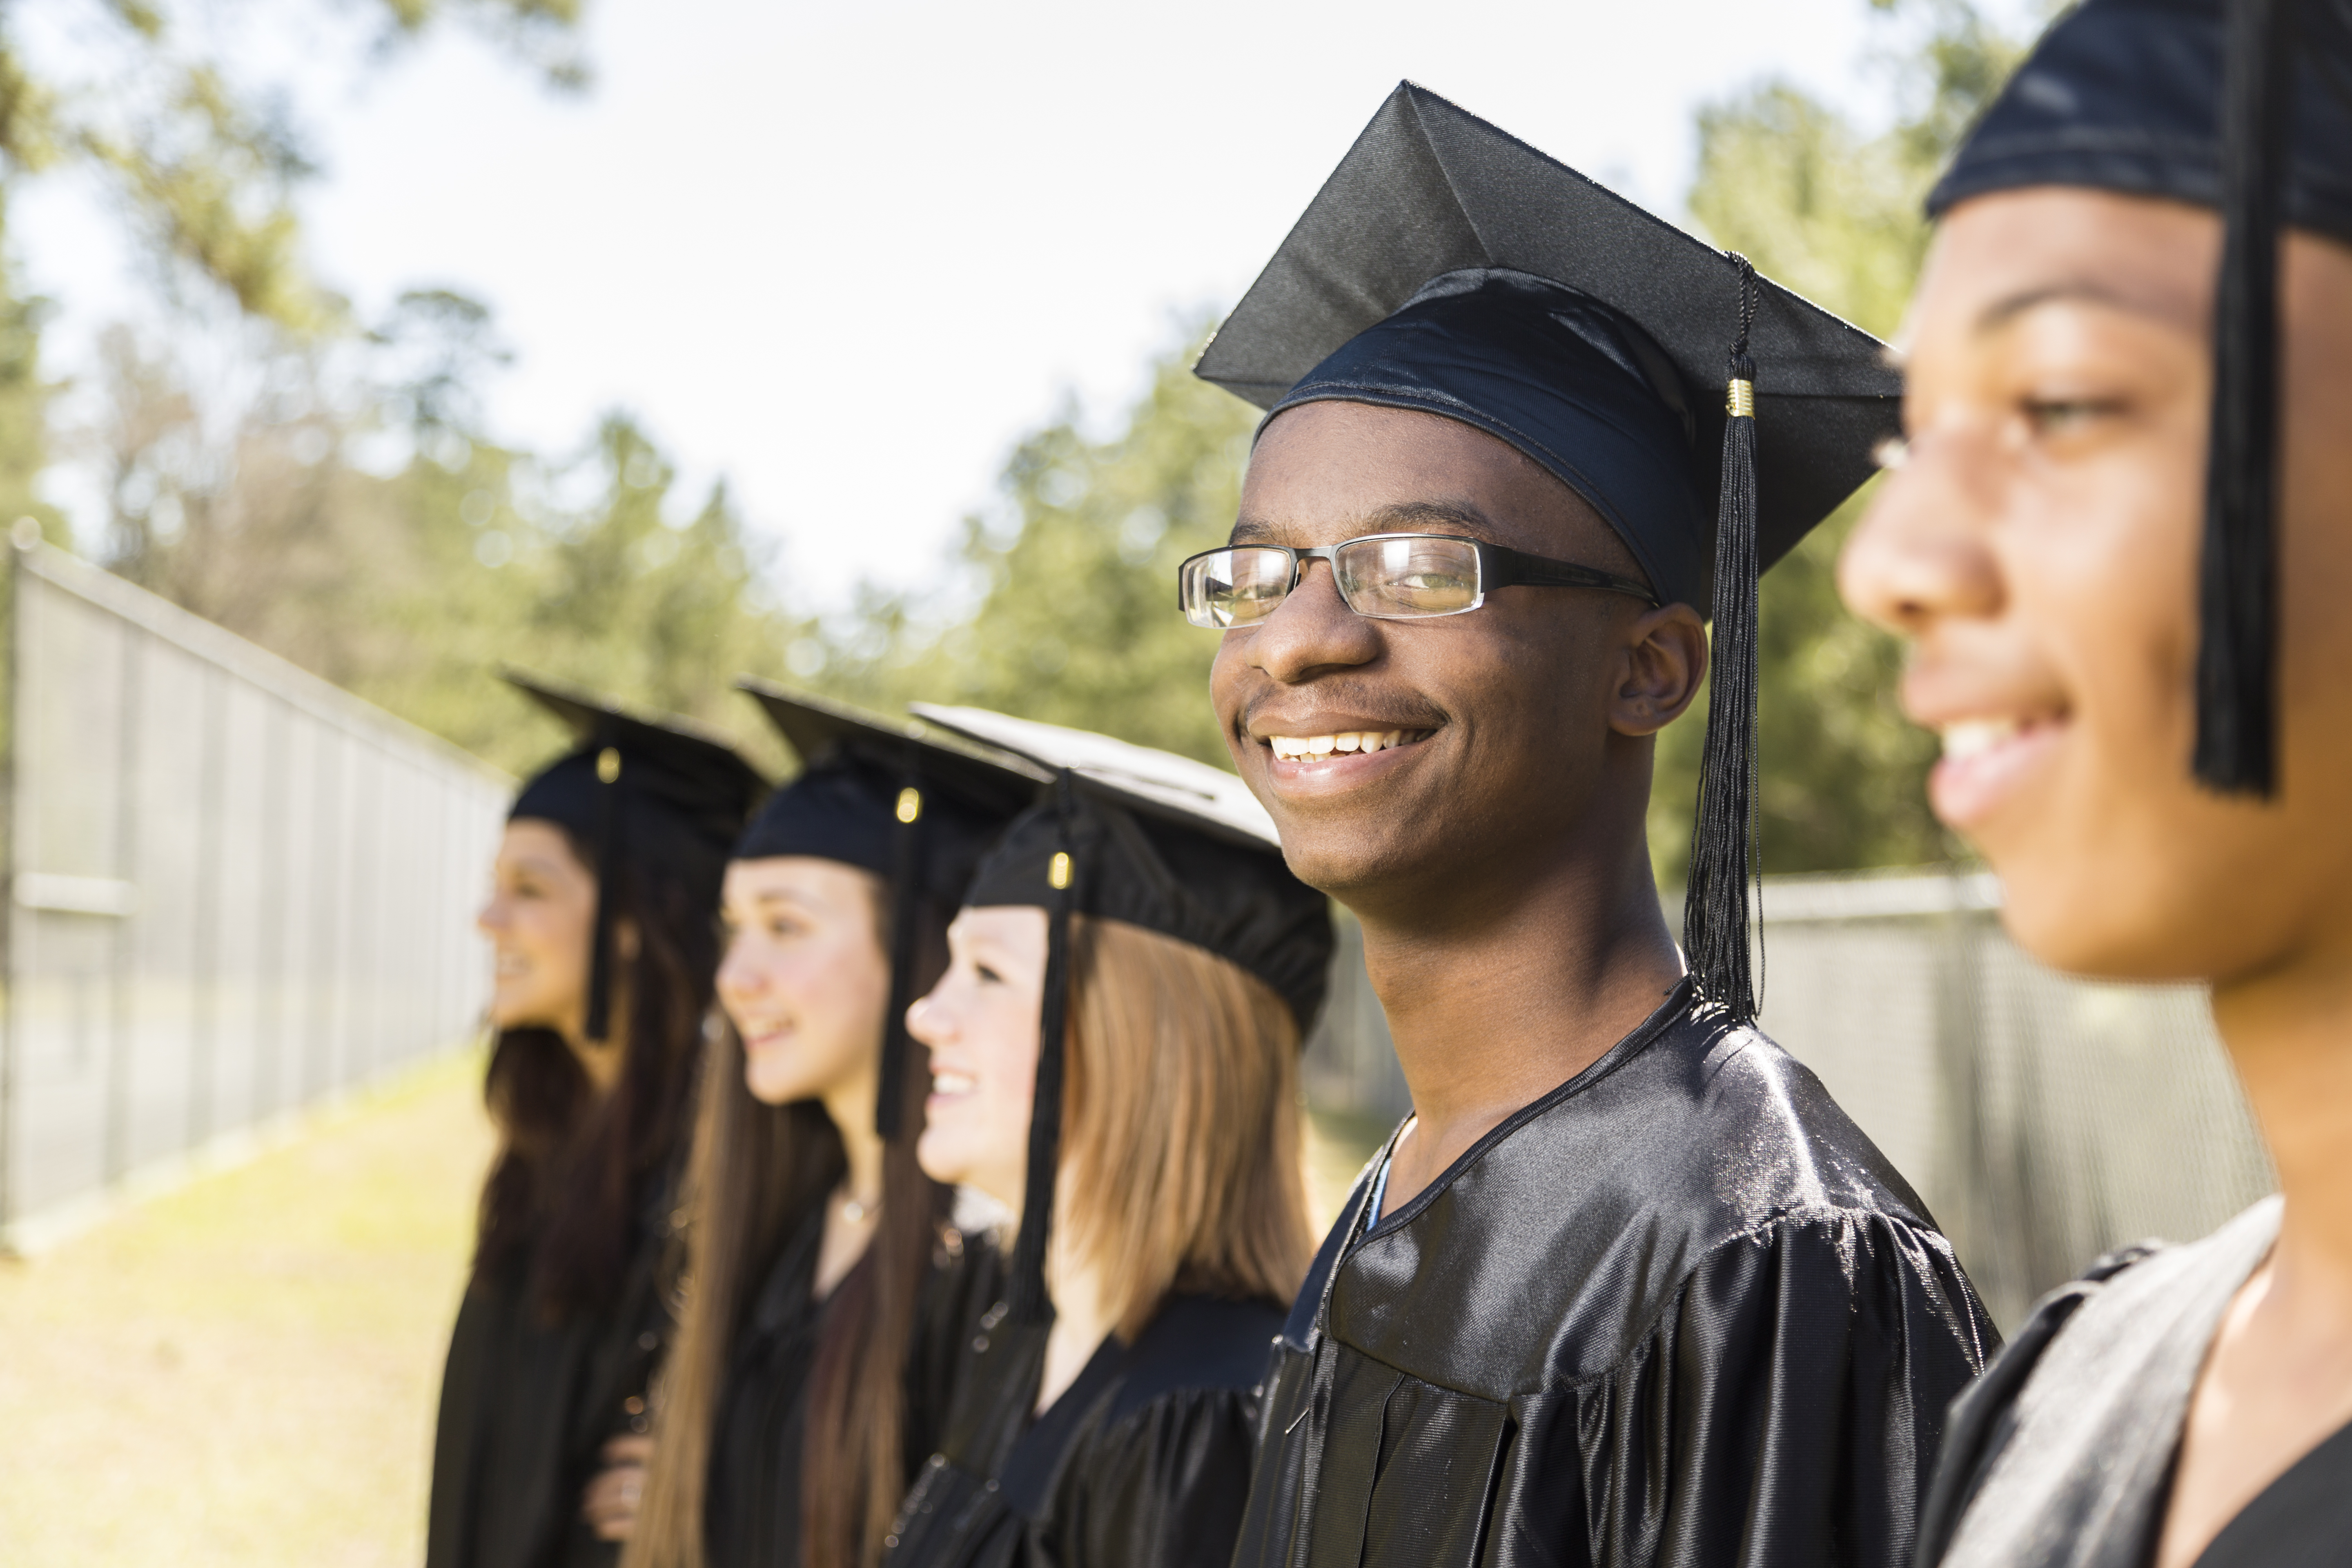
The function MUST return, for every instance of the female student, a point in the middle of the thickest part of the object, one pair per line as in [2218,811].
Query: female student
[2121,543]
[601,917]
[1114,1056]
[816,1246]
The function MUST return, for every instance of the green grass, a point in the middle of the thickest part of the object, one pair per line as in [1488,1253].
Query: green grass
[244,1370]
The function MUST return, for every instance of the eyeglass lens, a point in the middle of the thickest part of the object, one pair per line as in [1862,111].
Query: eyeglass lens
[1400,578]
[1408,576]
[1238,587]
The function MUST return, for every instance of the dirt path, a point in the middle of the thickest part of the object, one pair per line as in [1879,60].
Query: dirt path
[243,1371]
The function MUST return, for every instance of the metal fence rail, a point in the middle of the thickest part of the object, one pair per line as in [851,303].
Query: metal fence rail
[233,891]
[2044,1120]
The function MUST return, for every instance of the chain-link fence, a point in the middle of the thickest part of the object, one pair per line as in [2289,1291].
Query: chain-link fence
[2044,1120]
[233,891]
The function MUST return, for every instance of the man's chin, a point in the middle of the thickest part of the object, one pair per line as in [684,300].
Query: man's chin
[1339,864]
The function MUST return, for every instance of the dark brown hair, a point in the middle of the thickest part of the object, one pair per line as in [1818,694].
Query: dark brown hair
[756,1171]
[571,1168]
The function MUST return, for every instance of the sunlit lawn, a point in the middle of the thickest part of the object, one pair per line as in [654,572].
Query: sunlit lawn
[243,1371]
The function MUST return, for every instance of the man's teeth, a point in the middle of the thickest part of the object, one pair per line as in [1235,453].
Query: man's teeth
[1974,737]
[1296,746]
[952,1083]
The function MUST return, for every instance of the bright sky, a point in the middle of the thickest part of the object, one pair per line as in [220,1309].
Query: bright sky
[844,255]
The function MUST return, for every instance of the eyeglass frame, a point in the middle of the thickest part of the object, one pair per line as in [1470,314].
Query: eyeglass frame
[1499,567]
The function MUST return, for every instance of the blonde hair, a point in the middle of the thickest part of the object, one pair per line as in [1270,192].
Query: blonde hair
[1180,1165]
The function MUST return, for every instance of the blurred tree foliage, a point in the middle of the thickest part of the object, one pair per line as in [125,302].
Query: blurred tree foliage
[205,165]
[409,580]
[1076,618]
[203,169]
[1836,216]
[412,584]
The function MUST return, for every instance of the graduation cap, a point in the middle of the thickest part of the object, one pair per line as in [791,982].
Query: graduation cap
[636,791]
[2245,107]
[1711,416]
[904,801]
[1156,840]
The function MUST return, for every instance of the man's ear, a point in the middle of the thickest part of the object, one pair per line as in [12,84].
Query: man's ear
[1662,658]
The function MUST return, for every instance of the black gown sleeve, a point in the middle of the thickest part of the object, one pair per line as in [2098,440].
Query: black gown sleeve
[1784,1412]
[1161,1488]
[965,1280]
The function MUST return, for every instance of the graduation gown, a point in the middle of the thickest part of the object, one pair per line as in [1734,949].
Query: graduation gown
[527,1405]
[1142,1462]
[1679,1311]
[751,1509]
[2062,1454]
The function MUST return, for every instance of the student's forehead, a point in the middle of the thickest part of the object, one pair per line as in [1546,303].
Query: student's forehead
[1999,258]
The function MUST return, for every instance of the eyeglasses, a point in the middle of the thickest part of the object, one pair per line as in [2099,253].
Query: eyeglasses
[1386,576]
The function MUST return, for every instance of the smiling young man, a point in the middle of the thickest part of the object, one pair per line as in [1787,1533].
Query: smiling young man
[2121,540]
[1628,1287]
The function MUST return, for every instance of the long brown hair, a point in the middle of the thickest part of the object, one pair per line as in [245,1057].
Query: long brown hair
[756,1171]
[1180,1165]
[572,1165]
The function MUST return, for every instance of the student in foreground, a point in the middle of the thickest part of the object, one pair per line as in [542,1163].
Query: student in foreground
[602,916]
[797,1402]
[2121,540]
[1114,1056]
[1628,1287]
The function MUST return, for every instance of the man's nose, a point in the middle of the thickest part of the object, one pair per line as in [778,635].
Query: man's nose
[1312,630]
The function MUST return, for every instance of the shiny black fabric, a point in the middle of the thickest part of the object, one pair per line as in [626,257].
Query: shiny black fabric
[685,794]
[527,1405]
[1143,1462]
[2125,95]
[1430,190]
[844,805]
[1236,900]
[751,1508]
[1560,376]
[1677,1312]
[2062,1456]
[2302,1520]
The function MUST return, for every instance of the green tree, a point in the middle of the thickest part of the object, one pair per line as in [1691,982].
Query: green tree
[413,589]
[1836,216]
[205,165]
[1074,621]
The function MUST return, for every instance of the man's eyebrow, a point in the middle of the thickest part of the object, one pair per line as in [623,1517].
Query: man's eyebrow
[2007,309]
[1400,517]
[1427,516]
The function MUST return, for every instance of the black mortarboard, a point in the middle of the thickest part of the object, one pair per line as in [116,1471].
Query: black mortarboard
[904,801]
[639,791]
[1710,415]
[1159,841]
[2247,107]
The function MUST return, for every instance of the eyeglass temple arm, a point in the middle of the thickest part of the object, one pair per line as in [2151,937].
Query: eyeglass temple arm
[1514,569]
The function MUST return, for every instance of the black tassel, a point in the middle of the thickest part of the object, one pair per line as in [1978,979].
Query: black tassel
[1723,854]
[2236,648]
[1030,1301]
[906,896]
[599,1026]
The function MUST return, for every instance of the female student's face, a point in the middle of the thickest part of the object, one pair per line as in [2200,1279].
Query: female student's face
[2039,546]
[539,917]
[981,1022]
[805,979]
